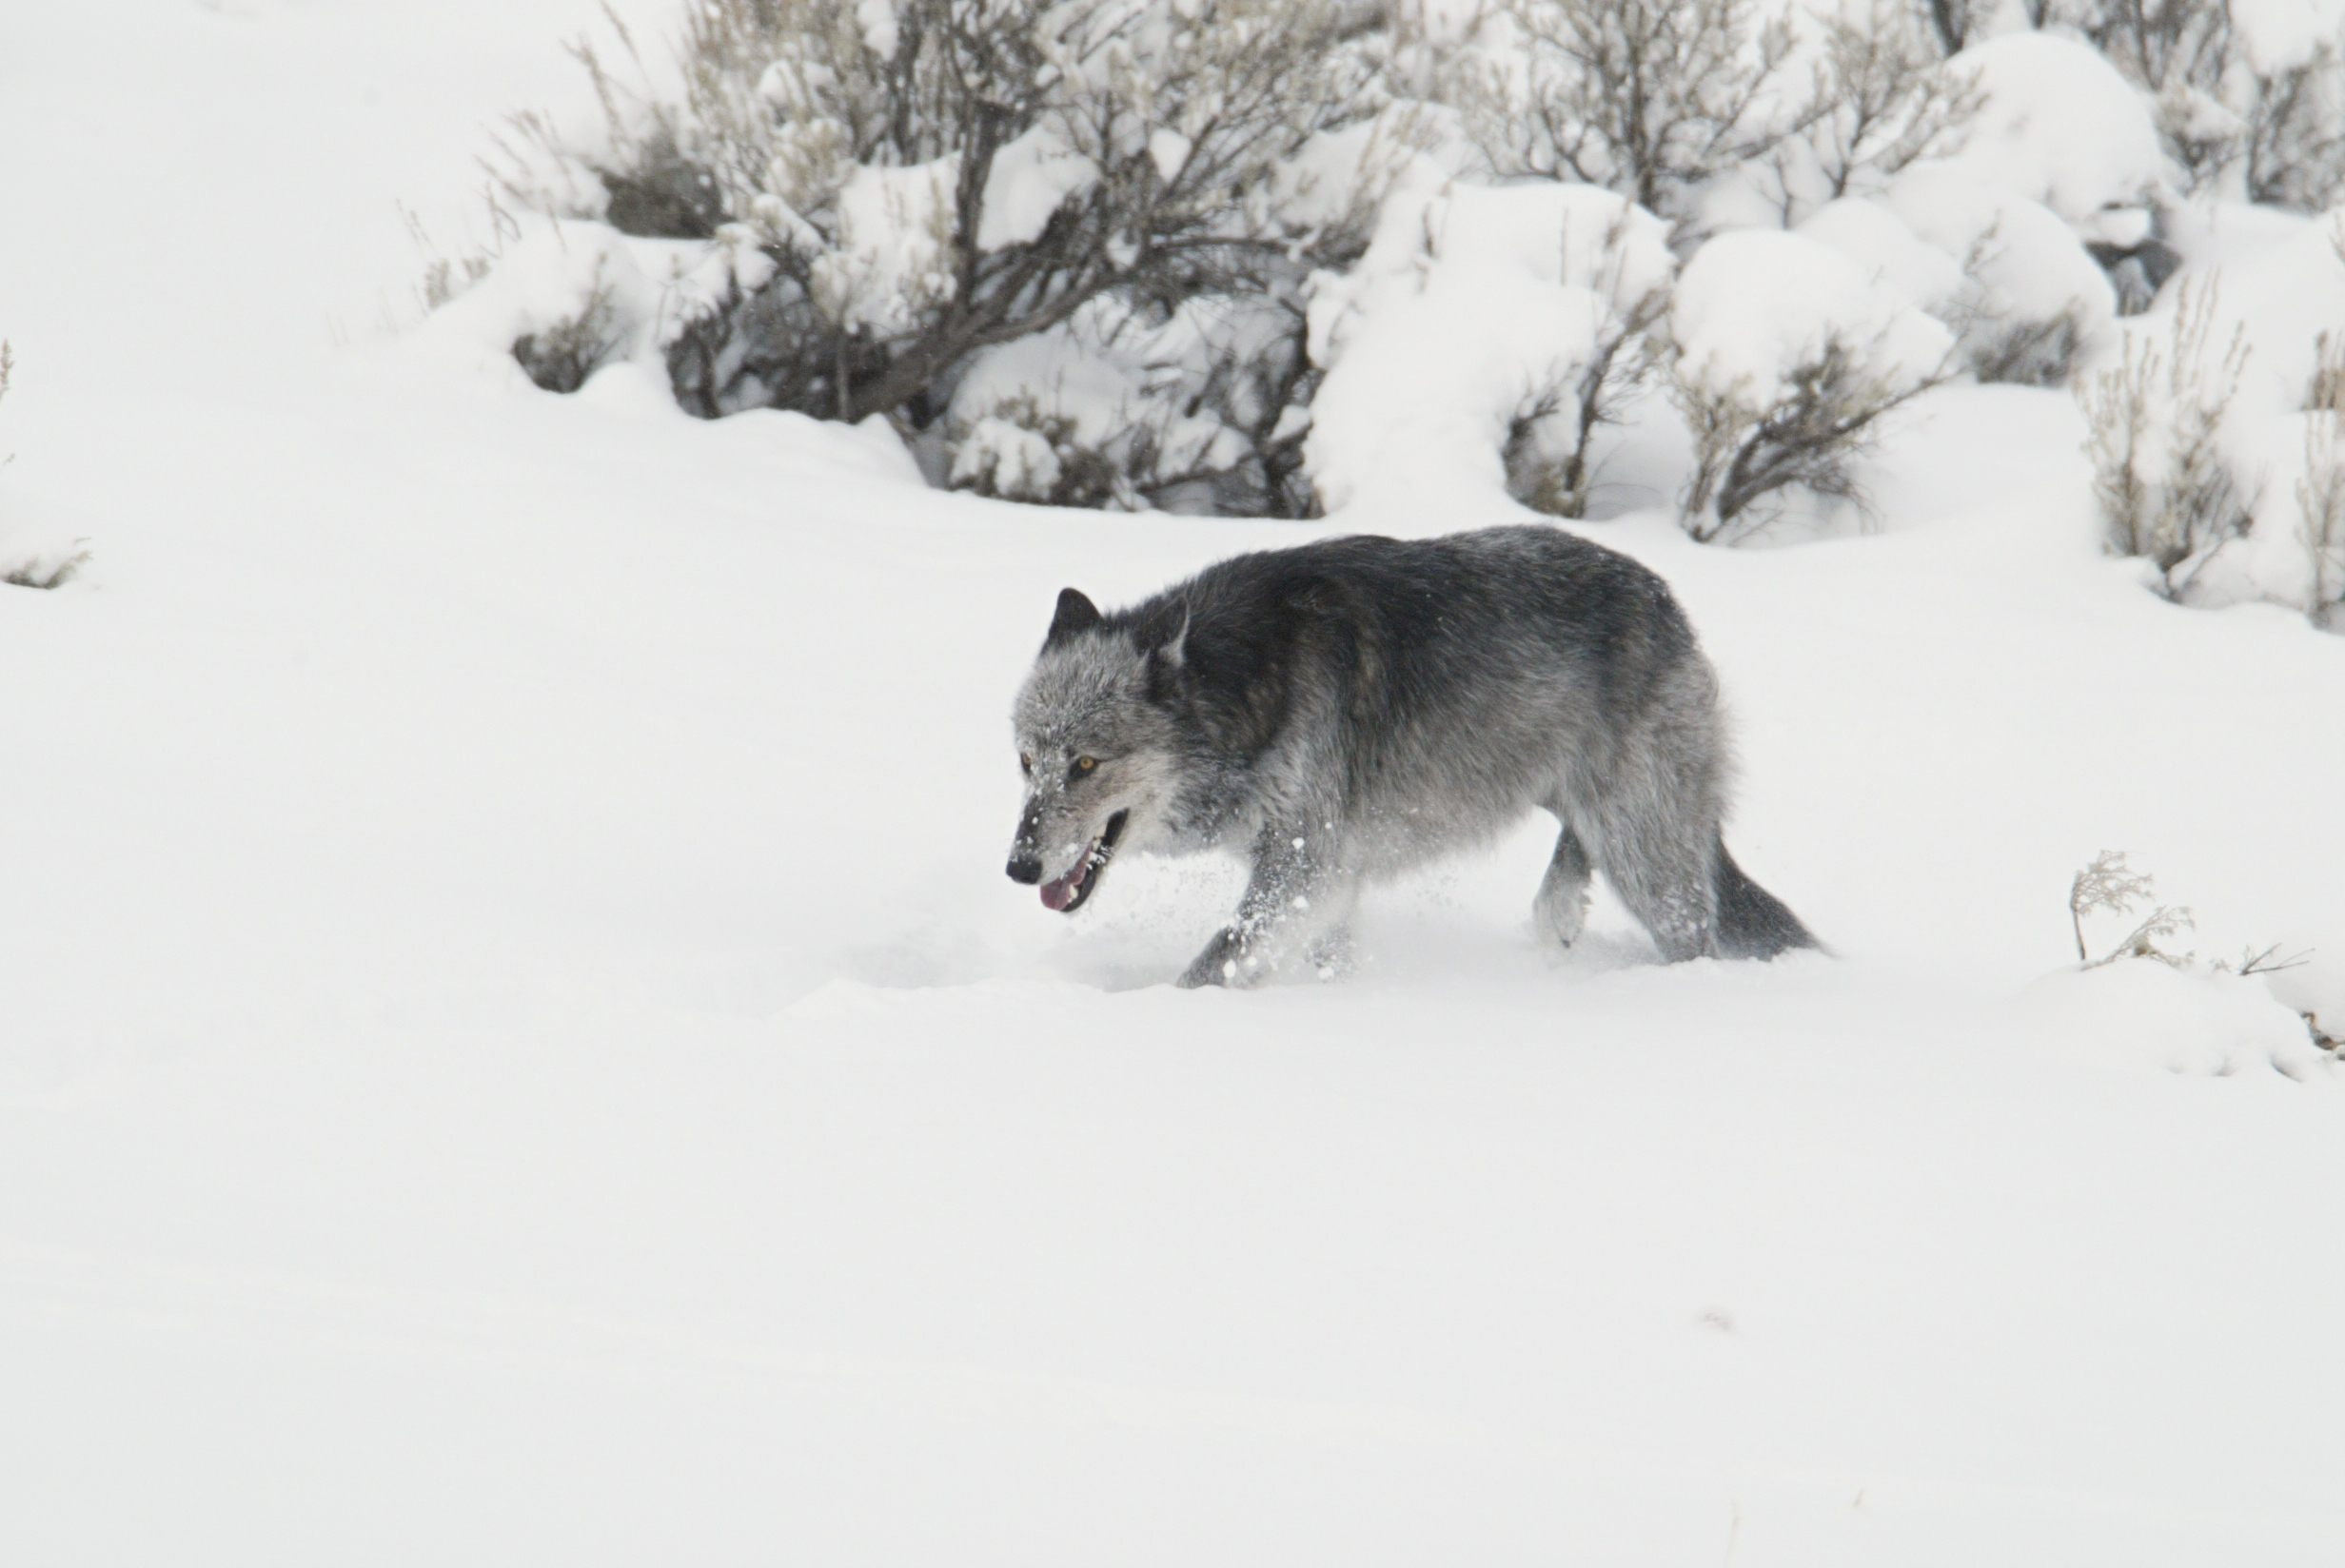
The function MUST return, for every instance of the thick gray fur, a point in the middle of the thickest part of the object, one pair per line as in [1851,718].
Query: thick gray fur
[1343,710]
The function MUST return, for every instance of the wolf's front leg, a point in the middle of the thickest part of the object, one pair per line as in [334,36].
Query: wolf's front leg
[1296,892]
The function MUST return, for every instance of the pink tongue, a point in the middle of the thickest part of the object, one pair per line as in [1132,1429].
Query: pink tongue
[1059,894]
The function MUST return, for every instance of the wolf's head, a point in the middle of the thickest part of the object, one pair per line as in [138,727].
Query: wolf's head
[1096,747]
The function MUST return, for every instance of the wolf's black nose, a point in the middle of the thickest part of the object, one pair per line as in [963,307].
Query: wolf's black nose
[1028,871]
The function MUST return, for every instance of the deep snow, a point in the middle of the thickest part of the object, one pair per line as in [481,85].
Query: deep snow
[514,1045]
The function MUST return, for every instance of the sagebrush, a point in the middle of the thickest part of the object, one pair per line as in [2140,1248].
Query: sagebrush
[2166,489]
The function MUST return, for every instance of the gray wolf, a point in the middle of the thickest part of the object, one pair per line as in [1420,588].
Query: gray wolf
[1342,711]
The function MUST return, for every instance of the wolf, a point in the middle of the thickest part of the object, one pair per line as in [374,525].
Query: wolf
[1342,711]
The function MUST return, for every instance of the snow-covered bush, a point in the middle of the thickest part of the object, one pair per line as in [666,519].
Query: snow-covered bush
[1199,406]
[2293,142]
[568,299]
[1787,355]
[2182,55]
[1780,108]
[1876,100]
[2109,884]
[1020,451]
[2060,128]
[2178,1012]
[1483,339]
[2321,522]
[32,562]
[2321,489]
[45,569]
[2167,488]
[1550,449]
[1649,98]
[926,181]
[2249,97]
[2215,436]
[560,356]
[2056,124]
[2024,297]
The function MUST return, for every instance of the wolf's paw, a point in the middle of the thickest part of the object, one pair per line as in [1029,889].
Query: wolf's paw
[1558,916]
[1224,962]
[1334,955]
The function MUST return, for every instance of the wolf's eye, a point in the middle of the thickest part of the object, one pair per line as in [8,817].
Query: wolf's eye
[1025,763]
[1085,764]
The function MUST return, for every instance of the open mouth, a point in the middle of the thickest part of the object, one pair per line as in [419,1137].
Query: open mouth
[1066,893]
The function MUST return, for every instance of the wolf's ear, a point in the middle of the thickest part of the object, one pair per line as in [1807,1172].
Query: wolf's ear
[1074,614]
[1173,650]
[1166,661]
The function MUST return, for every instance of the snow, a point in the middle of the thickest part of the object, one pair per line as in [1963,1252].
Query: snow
[1169,150]
[892,252]
[2059,126]
[1470,302]
[2029,265]
[2146,1014]
[1010,458]
[1878,239]
[1105,373]
[1031,179]
[2282,34]
[877,18]
[2277,299]
[632,294]
[515,1045]
[1754,305]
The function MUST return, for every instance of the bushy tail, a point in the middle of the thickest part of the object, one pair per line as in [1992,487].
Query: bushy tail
[1752,922]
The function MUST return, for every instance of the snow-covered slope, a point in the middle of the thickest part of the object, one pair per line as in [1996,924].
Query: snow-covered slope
[515,1045]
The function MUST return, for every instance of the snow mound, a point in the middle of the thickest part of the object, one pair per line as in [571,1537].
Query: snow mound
[1470,304]
[1755,306]
[1339,174]
[41,543]
[2026,267]
[607,298]
[2183,1019]
[1878,239]
[2283,34]
[795,445]
[2280,304]
[2059,126]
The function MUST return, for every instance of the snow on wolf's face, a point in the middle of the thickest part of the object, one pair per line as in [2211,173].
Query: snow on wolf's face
[1094,750]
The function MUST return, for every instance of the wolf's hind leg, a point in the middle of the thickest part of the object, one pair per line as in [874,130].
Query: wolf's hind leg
[1559,913]
[1659,862]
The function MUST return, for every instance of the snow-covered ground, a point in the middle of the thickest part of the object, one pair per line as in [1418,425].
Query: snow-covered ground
[515,1045]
